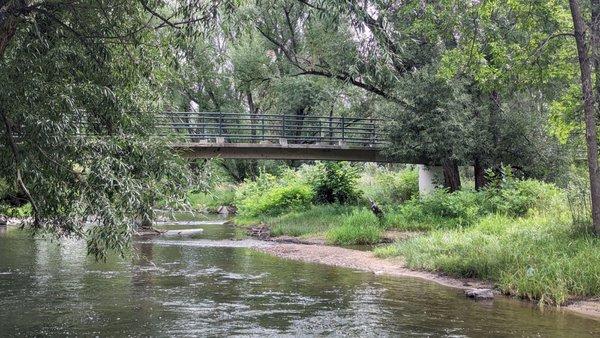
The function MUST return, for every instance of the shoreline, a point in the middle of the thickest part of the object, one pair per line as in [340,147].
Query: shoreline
[318,253]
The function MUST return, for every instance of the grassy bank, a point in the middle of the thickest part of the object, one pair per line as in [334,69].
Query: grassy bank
[518,234]
[540,257]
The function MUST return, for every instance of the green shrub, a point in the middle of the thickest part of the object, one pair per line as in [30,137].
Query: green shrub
[440,209]
[460,205]
[359,227]
[22,211]
[253,188]
[391,187]
[276,200]
[465,207]
[517,197]
[220,195]
[336,182]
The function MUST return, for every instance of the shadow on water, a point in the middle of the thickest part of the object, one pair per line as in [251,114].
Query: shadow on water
[194,288]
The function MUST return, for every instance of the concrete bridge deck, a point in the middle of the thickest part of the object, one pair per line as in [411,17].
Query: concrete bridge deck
[275,137]
[277,151]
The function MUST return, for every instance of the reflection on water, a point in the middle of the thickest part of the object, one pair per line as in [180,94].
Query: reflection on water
[179,288]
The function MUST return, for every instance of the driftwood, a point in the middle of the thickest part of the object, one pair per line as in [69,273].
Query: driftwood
[261,231]
[182,232]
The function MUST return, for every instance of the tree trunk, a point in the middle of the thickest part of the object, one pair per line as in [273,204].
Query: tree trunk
[451,175]
[478,168]
[8,24]
[595,43]
[253,112]
[494,122]
[589,110]
[479,172]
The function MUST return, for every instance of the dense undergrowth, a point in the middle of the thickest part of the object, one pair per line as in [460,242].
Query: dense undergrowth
[325,199]
[519,235]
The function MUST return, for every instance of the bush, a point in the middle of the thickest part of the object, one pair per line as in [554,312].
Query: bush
[10,211]
[276,200]
[437,210]
[517,197]
[460,205]
[360,227]
[465,207]
[252,188]
[220,195]
[336,183]
[391,187]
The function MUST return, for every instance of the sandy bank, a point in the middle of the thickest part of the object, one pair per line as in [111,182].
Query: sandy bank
[366,261]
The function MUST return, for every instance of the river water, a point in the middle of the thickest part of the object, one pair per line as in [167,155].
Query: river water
[211,285]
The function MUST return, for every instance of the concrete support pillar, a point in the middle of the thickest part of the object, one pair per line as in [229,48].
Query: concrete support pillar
[430,177]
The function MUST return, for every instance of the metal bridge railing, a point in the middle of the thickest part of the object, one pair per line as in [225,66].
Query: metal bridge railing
[196,127]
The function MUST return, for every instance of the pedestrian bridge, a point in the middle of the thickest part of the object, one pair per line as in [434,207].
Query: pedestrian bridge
[271,136]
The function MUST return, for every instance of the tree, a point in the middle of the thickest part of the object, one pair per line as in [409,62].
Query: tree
[79,84]
[589,99]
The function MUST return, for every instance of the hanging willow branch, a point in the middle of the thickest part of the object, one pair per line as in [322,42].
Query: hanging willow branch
[17,162]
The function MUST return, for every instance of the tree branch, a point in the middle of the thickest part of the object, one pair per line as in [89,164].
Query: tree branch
[348,78]
[17,161]
[156,14]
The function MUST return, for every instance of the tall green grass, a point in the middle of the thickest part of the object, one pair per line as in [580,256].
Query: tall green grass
[539,257]
[389,187]
[358,228]
[520,236]
[341,224]
[318,219]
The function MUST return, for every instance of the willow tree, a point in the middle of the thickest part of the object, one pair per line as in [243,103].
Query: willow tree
[79,82]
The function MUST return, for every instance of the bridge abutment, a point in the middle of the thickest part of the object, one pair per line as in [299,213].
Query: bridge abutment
[430,177]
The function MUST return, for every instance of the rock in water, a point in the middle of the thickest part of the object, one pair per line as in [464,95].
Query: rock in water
[3,220]
[480,293]
[226,210]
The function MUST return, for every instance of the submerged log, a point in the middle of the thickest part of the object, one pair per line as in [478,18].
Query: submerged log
[182,232]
